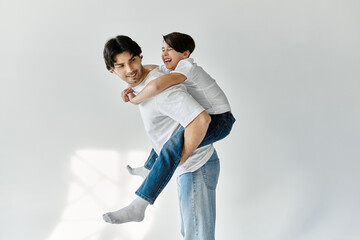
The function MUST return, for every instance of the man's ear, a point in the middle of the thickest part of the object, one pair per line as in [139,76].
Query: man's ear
[111,70]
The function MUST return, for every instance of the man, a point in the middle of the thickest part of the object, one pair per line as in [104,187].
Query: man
[163,115]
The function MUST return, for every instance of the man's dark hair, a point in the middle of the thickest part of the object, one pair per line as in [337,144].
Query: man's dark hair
[118,45]
[181,42]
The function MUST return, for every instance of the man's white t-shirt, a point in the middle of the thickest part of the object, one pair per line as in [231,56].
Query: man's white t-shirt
[165,113]
[201,86]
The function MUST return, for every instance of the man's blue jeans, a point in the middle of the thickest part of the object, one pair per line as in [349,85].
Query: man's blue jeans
[197,200]
[163,166]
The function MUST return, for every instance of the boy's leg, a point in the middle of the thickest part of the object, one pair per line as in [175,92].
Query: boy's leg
[135,212]
[139,171]
[151,160]
[143,171]
[197,194]
[161,173]
[170,155]
[163,168]
[220,126]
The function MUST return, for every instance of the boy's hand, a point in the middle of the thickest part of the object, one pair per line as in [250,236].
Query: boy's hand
[125,93]
[131,97]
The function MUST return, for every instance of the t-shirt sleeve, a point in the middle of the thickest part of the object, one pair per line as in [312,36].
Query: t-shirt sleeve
[178,104]
[184,67]
[164,69]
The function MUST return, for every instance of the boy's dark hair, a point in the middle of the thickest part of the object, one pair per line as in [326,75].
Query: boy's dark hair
[181,42]
[118,45]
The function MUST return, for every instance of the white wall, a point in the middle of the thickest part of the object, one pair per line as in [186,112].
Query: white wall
[289,68]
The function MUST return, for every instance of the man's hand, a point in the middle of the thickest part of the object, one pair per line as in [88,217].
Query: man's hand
[194,134]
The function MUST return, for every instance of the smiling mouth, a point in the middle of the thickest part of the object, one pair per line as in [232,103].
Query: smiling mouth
[132,75]
[167,60]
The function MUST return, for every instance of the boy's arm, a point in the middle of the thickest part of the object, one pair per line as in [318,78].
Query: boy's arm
[157,85]
[150,66]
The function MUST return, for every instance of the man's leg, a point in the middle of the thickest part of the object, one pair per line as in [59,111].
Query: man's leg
[197,201]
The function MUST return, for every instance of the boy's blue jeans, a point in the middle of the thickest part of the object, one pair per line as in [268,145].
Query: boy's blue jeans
[163,166]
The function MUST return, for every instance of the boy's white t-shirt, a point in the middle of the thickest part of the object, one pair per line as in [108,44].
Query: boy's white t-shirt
[201,86]
[165,113]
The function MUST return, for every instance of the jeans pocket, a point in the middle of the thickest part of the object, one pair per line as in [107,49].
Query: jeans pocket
[210,173]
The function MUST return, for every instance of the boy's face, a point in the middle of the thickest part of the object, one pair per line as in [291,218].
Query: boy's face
[171,57]
[128,67]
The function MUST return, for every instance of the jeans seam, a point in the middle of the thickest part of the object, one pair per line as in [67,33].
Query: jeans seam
[193,210]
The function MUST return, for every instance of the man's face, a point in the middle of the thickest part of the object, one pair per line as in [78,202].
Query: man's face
[128,67]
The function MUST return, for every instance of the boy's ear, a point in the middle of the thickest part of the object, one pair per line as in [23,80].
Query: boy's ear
[186,54]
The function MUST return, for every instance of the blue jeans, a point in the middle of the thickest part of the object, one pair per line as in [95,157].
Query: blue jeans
[163,166]
[197,200]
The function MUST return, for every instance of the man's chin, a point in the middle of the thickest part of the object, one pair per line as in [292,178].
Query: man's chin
[133,81]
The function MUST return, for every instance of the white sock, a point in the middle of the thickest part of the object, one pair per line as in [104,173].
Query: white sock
[135,212]
[140,171]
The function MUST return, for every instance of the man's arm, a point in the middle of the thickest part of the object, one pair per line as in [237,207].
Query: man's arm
[178,104]
[194,133]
